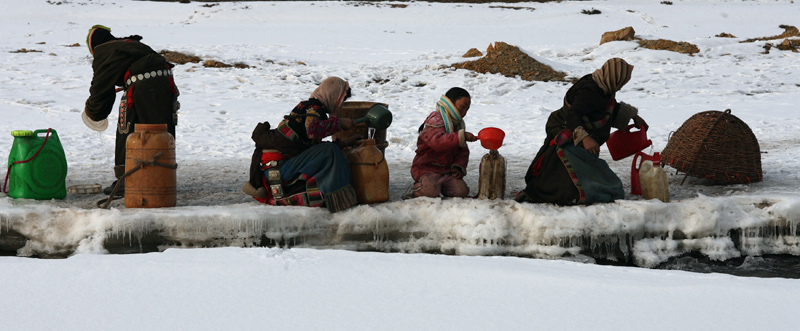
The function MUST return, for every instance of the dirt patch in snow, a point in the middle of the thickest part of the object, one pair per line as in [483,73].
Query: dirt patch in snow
[218,64]
[510,61]
[472,52]
[25,50]
[669,45]
[628,33]
[788,31]
[179,58]
[789,45]
[514,7]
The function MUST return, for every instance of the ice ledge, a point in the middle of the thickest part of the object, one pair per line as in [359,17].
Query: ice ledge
[643,233]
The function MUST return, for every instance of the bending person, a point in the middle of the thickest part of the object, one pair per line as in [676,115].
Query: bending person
[149,94]
[292,166]
[567,169]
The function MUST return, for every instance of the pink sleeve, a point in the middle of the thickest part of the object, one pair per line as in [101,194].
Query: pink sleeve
[435,136]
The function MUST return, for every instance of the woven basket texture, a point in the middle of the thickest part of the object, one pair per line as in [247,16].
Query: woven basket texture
[715,145]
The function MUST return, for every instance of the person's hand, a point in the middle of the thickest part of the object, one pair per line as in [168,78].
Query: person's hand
[640,123]
[350,141]
[456,174]
[469,136]
[590,145]
[346,123]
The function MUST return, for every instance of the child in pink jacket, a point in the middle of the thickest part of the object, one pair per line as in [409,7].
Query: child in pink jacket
[442,153]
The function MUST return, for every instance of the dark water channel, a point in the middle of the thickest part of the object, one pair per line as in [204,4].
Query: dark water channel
[768,266]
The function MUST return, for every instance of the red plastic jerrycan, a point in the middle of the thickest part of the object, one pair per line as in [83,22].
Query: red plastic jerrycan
[636,185]
[624,143]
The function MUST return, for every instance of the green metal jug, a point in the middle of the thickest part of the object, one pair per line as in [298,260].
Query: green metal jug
[37,166]
[378,117]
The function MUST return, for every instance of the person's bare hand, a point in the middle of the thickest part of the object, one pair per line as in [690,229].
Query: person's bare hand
[590,145]
[346,123]
[640,123]
[469,136]
[353,139]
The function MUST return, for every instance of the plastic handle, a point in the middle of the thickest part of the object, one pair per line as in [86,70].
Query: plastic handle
[52,132]
[635,166]
[631,126]
[361,120]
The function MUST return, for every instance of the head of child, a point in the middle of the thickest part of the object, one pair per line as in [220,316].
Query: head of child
[460,98]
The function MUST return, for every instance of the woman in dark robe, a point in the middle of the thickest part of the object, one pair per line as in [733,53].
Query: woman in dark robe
[567,169]
[306,170]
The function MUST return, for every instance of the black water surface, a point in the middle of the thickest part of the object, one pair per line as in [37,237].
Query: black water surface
[767,266]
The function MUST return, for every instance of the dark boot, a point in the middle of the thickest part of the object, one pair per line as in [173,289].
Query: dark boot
[120,191]
[118,172]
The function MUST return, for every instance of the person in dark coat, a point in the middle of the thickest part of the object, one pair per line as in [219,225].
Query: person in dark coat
[567,169]
[313,173]
[149,94]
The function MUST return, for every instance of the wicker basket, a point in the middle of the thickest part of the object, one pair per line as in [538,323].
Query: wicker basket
[715,145]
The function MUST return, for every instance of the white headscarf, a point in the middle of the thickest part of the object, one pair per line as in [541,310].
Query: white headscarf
[331,92]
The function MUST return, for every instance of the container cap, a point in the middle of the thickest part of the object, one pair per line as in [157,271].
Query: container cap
[21,133]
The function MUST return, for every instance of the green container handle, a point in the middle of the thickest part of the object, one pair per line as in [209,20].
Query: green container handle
[52,132]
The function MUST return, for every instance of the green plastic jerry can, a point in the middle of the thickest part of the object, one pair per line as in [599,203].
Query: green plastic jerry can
[42,169]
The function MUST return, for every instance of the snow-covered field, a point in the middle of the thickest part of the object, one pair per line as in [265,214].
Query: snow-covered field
[395,55]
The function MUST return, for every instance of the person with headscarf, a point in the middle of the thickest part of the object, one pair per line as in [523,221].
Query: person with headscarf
[567,169]
[291,165]
[440,163]
[149,94]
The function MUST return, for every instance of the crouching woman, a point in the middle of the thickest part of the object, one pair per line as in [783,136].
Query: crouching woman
[292,166]
[567,169]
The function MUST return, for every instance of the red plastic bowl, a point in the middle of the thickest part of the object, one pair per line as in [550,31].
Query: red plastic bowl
[491,138]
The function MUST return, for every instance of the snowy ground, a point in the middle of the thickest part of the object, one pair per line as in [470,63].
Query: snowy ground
[302,289]
[394,55]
